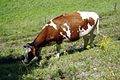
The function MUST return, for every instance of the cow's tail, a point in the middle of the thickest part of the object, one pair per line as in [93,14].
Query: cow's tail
[97,26]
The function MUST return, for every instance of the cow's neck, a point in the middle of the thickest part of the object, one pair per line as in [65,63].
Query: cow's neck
[40,40]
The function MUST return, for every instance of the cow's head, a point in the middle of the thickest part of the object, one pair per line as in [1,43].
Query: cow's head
[30,53]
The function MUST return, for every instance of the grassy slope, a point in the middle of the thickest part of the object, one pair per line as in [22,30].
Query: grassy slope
[21,20]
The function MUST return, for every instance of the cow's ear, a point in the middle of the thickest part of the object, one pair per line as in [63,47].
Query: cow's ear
[24,46]
[27,45]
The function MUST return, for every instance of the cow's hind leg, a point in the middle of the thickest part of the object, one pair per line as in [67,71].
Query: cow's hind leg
[92,36]
[85,39]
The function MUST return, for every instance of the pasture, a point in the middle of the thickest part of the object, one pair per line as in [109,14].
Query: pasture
[22,20]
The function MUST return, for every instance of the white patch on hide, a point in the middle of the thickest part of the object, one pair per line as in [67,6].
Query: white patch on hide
[53,24]
[28,50]
[87,15]
[45,26]
[84,32]
[68,30]
[66,39]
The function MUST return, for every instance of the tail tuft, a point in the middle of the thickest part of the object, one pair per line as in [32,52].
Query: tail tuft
[97,25]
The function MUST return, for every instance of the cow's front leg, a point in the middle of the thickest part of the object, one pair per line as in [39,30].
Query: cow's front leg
[39,56]
[58,47]
[85,39]
[39,59]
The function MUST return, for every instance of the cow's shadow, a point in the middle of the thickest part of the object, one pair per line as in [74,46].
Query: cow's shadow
[12,68]
[67,50]
[72,49]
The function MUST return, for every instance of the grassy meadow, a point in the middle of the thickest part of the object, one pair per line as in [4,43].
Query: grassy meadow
[22,20]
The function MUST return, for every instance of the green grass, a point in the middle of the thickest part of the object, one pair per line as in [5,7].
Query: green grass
[22,20]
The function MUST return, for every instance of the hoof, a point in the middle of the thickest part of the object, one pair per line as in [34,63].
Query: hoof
[39,64]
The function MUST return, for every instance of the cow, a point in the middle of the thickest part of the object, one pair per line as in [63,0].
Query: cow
[66,27]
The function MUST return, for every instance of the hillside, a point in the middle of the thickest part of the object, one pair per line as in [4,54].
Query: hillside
[22,20]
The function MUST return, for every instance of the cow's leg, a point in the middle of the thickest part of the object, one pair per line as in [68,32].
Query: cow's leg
[39,56]
[92,36]
[86,39]
[58,47]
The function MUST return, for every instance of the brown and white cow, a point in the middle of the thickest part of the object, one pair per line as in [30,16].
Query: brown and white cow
[70,27]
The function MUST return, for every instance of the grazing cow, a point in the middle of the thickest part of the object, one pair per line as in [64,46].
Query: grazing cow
[65,27]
